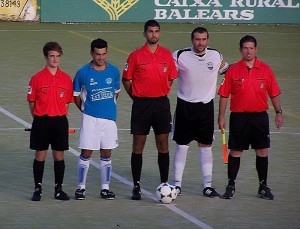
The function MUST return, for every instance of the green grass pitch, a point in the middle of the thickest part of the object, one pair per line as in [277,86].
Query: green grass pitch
[21,56]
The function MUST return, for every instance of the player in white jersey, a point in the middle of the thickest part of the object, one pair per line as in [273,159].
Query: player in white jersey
[198,68]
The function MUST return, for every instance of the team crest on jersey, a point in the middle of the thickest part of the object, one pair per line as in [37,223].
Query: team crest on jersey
[61,95]
[210,65]
[108,81]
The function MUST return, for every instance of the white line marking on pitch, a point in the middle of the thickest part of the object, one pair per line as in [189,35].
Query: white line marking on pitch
[133,31]
[120,178]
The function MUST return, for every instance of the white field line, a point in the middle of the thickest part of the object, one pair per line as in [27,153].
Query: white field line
[133,31]
[171,207]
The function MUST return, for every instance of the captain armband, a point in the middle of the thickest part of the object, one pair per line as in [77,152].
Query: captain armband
[223,67]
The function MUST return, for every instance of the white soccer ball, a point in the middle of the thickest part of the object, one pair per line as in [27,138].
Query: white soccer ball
[166,193]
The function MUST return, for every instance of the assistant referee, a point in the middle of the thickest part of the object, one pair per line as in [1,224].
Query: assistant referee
[249,82]
[49,93]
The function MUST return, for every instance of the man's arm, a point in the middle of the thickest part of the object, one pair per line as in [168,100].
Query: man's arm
[78,102]
[128,86]
[277,107]
[31,107]
[222,109]
[116,95]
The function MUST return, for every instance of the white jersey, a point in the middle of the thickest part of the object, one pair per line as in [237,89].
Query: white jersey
[197,81]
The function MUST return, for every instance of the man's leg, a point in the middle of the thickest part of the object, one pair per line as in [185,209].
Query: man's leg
[163,156]
[179,161]
[106,168]
[59,172]
[137,163]
[38,173]
[83,165]
[262,169]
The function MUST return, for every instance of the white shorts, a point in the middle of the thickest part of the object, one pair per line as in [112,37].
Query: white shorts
[97,133]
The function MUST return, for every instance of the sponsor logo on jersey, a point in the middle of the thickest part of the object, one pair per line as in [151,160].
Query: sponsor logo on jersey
[92,82]
[101,94]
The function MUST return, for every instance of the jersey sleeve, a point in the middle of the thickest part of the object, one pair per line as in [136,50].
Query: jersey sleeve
[129,67]
[225,87]
[117,81]
[70,97]
[173,68]
[175,58]
[223,66]
[31,93]
[273,89]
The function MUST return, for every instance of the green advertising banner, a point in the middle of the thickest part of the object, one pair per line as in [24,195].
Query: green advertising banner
[193,11]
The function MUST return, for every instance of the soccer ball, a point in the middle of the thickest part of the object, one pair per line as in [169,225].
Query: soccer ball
[166,193]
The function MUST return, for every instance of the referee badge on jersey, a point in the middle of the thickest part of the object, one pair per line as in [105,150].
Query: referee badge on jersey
[210,65]
[126,67]
[165,69]
[29,90]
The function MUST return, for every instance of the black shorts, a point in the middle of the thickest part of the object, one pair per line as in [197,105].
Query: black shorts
[249,129]
[193,121]
[147,112]
[47,131]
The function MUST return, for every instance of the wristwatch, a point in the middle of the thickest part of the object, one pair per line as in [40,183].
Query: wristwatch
[279,112]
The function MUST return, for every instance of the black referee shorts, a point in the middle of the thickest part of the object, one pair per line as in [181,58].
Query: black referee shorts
[147,112]
[47,131]
[249,129]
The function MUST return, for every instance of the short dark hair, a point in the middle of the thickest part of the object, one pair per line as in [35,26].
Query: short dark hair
[52,46]
[99,44]
[247,38]
[151,23]
[199,30]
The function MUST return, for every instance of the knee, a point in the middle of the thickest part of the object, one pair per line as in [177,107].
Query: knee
[182,147]
[105,153]
[262,152]
[163,147]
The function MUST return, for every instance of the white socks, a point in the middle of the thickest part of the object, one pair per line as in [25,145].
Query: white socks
[105,167]
[180,155]
[83,168]
[206,162]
